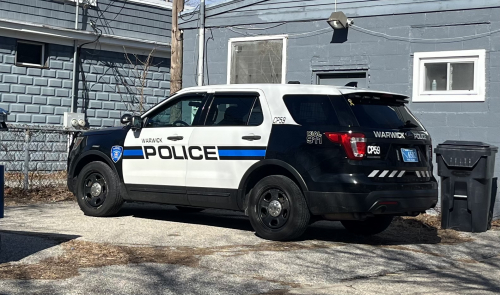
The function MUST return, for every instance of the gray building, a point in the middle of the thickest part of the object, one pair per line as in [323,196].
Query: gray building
[444,54]
[114,39]
[40,79]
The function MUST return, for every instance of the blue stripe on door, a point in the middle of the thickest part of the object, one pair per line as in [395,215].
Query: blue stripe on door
[242,153]
[133,153]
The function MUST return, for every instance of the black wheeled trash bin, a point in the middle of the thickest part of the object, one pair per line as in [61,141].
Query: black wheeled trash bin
[466,169]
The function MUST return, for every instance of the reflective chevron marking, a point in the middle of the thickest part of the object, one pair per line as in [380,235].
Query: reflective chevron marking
[383,174]
[398,173]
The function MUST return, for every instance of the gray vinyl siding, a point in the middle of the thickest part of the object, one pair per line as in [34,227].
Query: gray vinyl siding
[121,18]
[41,96]
[387,61]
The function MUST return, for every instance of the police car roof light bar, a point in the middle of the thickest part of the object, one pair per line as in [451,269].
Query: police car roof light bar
[354,143]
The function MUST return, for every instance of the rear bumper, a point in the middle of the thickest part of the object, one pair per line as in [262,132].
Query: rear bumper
[398,202]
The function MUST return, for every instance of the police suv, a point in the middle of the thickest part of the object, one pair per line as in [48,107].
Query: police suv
[286,155]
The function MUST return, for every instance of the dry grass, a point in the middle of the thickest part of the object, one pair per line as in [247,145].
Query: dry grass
[49,194]
[83,254]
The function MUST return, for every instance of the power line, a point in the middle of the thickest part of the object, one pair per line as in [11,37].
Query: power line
[423,40]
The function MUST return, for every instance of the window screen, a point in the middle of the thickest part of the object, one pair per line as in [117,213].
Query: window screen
[237,110]
[30,53]
[311,109]
[256,61]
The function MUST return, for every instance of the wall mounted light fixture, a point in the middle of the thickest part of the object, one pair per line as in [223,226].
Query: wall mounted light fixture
[338,20]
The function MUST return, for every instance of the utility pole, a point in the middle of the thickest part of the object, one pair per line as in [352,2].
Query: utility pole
[201,44]
[176,48]
[176,59]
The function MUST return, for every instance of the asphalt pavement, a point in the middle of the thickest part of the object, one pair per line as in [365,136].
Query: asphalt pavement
[230,259]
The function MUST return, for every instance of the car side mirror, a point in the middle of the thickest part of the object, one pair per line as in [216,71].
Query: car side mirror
[137,122]
[126,119]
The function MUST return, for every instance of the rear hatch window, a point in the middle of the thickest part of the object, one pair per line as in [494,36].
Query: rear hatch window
[379,112]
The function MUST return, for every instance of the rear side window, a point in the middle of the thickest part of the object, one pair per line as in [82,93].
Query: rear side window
[377,112]
[311,109]
[234,110]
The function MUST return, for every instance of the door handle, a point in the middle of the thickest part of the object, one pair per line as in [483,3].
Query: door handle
[251,137]
[175,138]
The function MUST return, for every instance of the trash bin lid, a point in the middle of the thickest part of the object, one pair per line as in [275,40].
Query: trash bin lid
[457,153]
[466,143]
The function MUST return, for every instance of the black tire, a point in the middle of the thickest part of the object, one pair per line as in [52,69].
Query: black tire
[368,227]
[189,209]
[108,202]
[293,216]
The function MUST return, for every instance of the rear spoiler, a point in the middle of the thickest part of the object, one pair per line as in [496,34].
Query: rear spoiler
[375,95]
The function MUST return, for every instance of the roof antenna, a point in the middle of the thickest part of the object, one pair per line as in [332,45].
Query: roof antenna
[352,84]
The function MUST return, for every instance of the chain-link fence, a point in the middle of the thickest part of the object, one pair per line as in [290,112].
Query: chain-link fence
[34,156]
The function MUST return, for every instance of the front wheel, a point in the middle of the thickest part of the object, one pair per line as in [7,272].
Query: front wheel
[97,190]
[277,209]
[368,227]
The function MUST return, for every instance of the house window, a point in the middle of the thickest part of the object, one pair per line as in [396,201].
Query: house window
[449,76]
[30,54]
[259,59]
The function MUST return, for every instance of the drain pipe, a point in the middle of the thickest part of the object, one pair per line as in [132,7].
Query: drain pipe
[74,87]
[201,43]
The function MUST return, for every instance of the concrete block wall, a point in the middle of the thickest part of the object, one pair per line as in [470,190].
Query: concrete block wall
[388,62]
[41,96]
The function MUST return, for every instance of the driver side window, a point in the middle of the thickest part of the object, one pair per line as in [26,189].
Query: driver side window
[185,111]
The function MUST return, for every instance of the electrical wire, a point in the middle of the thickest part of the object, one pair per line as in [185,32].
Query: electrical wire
[243,28]
[423,40]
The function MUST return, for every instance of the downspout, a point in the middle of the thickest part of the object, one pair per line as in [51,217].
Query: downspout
[201,43]
[74,87]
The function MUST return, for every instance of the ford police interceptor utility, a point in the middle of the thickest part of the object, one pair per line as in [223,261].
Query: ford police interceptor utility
[286,155]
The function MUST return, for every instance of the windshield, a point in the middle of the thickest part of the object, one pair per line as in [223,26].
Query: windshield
[382,113]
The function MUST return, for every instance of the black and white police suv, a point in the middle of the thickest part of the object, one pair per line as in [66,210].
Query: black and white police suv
[284,154]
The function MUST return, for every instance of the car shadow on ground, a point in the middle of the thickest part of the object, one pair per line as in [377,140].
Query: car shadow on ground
[16,245]
[399,233]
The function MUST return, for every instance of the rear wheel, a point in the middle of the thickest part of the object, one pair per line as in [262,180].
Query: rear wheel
[189,209]
[277,209]
[368,227]
[97,190]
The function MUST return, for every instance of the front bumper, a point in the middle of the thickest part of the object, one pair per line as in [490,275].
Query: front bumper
[397,202]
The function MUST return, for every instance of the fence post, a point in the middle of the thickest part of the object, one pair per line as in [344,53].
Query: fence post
[26,159]
[1,190]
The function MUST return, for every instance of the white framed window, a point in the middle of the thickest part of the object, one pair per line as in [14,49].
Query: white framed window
[30,54]
[259,59]
[446,76]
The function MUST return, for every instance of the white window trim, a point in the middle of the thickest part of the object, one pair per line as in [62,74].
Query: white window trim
[476,56]
[259,38]
[42,63]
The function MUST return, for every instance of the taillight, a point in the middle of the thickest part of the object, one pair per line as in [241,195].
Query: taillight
[354,143]
[429,153]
